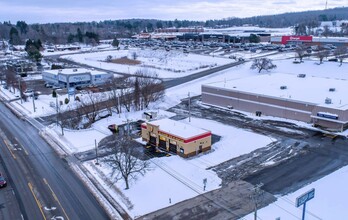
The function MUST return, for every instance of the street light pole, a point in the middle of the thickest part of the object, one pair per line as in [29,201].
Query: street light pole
[189,105]
[96,151]
[19,88]
[57,107]
[32,96]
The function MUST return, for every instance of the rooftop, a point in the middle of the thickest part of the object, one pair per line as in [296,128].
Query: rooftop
[178,129]
[310,89]
[75,71]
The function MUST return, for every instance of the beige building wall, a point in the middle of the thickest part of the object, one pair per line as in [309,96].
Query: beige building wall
[171,143]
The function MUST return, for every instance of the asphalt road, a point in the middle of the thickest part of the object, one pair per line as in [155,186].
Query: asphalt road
[43,183]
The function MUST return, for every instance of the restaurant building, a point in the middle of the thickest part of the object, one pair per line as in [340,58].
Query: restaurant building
[176,137]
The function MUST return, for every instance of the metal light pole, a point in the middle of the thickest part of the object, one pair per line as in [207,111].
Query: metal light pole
[189,105]
[119,107]
[32,96]
[19,88]
[96,151]
[57,107]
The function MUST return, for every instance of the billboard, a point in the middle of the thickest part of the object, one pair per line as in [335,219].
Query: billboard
[286,39]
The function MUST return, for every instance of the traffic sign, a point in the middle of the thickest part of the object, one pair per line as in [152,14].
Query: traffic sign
[305,197]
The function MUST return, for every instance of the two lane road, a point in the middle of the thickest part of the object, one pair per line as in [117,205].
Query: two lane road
[43,183]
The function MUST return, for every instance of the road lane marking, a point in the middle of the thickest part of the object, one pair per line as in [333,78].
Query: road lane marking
[9,149]
[26,152]
[37,201]
[55,197]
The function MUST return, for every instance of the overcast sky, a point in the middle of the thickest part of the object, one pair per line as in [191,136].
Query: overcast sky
[48,11]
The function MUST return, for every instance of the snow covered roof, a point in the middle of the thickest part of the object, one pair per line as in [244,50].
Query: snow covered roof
[178,129]
[75,71]
[310,89]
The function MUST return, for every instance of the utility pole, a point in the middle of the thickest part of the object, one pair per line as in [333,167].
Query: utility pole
[255,196]
[32,96]
[119,107]
[96,151]
[57,108]
[189,105]
[19,88]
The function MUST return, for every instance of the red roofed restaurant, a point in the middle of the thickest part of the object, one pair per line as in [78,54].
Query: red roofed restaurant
[176,137]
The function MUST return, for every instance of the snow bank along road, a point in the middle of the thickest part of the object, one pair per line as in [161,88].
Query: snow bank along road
[45,187]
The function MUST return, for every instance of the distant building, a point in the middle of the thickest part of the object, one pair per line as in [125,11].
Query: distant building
[76,77]
[320,101]
[21,67]
[176,137]
[309,40]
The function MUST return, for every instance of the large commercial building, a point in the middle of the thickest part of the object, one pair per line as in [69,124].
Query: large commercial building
[176,137]
[320,101]
[76,77]
[310,40]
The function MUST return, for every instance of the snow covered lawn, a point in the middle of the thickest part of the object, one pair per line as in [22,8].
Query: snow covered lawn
[329,201]
[167,64]
[180,178]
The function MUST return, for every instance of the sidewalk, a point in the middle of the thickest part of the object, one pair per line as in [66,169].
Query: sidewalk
[58,145]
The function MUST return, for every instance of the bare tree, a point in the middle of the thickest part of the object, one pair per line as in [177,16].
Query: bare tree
[115,86]
[11,80]
[125,160]
[151,88]
[340,53]
[134,55]
[300,51]
[263,64]
[322,53]
[90,106]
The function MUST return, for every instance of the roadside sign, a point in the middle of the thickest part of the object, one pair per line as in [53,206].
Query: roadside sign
[305,197]
[71,91]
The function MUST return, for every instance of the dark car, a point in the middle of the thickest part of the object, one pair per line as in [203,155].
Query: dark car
[3,182]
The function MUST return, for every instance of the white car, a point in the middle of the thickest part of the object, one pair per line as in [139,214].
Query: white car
[28,92]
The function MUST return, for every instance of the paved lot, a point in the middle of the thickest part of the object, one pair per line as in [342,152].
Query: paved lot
[311,152]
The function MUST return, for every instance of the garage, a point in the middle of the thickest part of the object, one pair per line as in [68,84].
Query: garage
[162,143]
[152,139]
[172,146]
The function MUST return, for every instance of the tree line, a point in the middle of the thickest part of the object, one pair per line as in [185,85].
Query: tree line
[91,32]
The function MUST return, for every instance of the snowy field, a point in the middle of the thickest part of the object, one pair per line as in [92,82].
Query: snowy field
[167,64]
[234,142]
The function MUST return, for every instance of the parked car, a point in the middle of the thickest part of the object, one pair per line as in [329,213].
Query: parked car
[3,182]
[28,92]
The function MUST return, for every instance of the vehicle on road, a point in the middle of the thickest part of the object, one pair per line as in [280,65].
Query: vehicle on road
[3,182]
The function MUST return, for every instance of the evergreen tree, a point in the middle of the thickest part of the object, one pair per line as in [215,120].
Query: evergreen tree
[14,36]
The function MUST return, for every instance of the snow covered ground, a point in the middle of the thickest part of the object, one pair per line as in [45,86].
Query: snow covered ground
[167,64]
[329,201]
[181,178]
[234,142]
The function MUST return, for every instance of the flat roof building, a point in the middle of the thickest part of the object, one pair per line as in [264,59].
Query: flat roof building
[176,137]
[76,77]
[321,101]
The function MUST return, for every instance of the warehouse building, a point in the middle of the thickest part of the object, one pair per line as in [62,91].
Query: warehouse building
[176,137]
[76,77]
[324,103]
